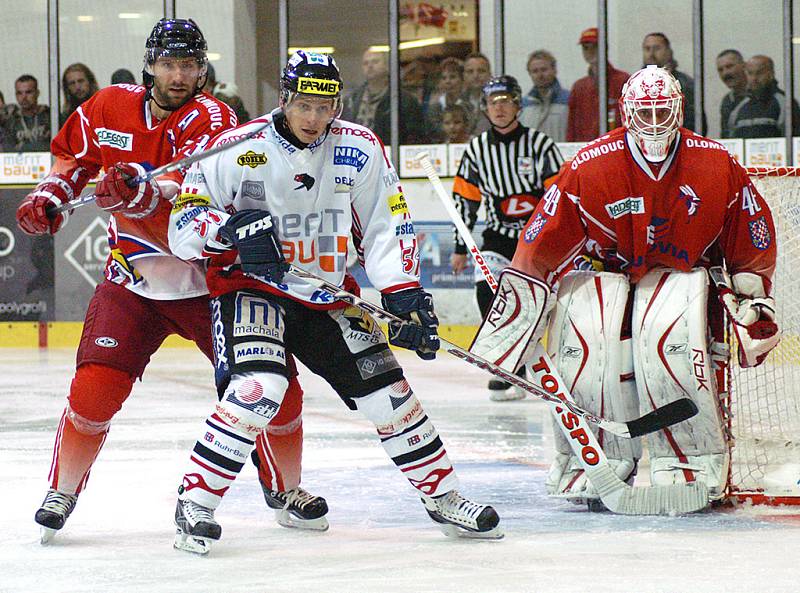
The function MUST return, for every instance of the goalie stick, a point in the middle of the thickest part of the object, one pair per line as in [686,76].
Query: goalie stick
[656,420]
[162,170]
[618,496]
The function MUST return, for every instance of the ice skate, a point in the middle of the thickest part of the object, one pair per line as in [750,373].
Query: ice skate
[53,513]
[196,527]
[501,391]
[297,508]
[459,517]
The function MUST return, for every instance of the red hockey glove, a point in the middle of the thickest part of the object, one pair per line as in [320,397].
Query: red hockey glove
[114,194]
[32,212]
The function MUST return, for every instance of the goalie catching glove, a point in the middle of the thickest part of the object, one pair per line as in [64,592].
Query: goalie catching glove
[421,335]
[117,191]
[253,233]
[752,314]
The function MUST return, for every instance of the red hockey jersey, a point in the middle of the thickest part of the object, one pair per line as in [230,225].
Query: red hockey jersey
[116,125]
[697,208]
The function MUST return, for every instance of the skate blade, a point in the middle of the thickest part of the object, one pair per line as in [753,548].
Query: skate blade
[46,534]
[192,543]
[459,532]
[286,519]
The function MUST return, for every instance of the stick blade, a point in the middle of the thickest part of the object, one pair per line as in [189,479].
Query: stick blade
[667,415]
[674,499]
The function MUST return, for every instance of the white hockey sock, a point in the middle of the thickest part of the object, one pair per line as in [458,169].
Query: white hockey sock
[409,438]
[229,434]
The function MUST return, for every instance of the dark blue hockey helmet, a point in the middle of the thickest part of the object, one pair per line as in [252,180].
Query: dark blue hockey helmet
[174,38]
[312,74]
[497,85]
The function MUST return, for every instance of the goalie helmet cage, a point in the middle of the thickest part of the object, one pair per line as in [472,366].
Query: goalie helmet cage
[764,402]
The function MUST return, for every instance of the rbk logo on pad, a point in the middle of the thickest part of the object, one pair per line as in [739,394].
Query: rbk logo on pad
[305,180]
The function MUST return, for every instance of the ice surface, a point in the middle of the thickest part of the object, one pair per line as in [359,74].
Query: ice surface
[120,536]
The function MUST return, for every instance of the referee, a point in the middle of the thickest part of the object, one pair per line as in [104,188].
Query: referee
[506,168]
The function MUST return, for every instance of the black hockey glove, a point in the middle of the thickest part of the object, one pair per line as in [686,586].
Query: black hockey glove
[420,335]
[253,233]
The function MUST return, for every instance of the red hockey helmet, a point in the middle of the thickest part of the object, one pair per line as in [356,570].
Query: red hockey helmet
[652,110]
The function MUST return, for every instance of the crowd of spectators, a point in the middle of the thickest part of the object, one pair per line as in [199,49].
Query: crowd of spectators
[440,97]
[25,125]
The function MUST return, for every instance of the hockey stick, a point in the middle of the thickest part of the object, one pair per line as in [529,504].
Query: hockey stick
[162,170]
[618,496]
[656,420]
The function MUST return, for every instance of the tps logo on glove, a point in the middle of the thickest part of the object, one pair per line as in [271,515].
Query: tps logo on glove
[252,229]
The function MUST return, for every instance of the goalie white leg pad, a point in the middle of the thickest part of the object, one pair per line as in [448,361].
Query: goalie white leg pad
[672,360]
[515,322]
[584,342]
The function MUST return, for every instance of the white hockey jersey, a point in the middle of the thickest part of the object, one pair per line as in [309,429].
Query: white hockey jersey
[340,188]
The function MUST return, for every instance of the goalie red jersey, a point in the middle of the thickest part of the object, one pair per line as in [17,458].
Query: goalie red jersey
[696,208]
[116,125]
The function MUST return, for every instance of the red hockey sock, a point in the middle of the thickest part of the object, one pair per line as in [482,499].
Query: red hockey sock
[280,454]
[96,394]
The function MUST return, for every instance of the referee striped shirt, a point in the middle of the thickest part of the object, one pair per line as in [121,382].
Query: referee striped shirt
[508,173]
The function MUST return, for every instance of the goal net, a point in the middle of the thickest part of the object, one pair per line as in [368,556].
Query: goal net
[765,401]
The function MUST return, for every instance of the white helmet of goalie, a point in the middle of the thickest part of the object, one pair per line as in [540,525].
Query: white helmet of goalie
[652,111]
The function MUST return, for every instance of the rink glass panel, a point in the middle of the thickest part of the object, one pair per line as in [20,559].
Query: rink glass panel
[23,30]
[106,36]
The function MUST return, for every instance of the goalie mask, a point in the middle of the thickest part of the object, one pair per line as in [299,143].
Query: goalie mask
[652,111]
[312,74]
[174,38]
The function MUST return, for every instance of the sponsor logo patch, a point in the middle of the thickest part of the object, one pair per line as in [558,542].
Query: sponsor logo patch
[349,156]
[397,204]
[252,159]
[625,206]
[261,351]
[185,200]
[114,139]
[525,165]
[376,364]
[404,230]
[106,342]
[317,86]
[253,190]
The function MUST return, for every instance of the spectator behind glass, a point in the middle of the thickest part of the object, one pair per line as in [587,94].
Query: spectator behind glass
[761,114]
[456,123]
[477,72]
[657,50]
[417,78]
[123,76]
[583,119]
[226,92]
[368,104]
[730,67]
[2,122]
[451,92]
[545,107]
[78,84]
[27,124]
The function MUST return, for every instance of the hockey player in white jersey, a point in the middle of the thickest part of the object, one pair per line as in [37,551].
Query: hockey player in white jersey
[295,193]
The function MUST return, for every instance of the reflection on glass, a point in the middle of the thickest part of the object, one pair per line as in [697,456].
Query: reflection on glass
[99,41]
[438,78]
[24,113]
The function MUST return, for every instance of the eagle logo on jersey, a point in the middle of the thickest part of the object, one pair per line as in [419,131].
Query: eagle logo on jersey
[305,180]
[690,198]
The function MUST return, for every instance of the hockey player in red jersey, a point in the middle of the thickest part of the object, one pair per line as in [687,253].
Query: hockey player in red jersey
[147,293]
[653,206]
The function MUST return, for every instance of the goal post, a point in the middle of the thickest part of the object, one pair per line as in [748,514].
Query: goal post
[764,402]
